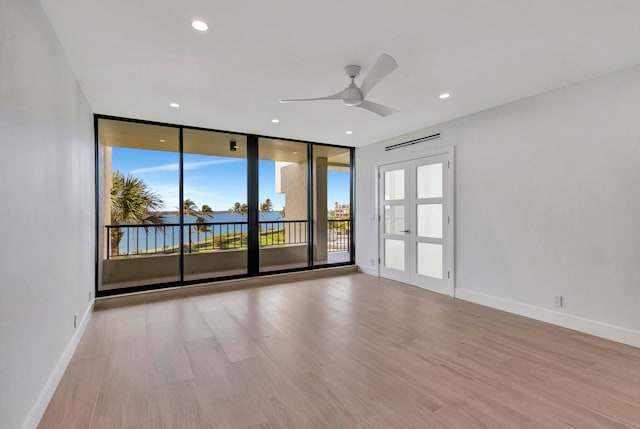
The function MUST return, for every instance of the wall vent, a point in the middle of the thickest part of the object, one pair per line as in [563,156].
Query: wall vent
[412,142]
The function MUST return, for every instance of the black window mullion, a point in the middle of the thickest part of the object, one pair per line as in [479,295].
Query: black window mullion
[181,211]
[253,231]
[352,209]
[309,204]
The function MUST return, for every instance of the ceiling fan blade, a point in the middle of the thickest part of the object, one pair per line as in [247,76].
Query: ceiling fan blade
[381,69]
[339,96]
[376,108]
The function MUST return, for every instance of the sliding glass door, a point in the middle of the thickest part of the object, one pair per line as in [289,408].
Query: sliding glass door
[214,204]
[178,205]
[284,205]
[138,187]
[332,232]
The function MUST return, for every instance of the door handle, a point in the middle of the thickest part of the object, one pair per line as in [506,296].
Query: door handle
[406,231]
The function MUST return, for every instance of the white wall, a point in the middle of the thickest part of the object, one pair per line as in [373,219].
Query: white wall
[547,203]
[47,215]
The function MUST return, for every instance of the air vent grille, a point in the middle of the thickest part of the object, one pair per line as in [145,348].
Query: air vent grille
[412,142]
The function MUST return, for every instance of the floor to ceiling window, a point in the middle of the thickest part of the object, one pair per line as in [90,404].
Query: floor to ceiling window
[139,234]
[215,224]
[332,205]
[284,204]
[178,205]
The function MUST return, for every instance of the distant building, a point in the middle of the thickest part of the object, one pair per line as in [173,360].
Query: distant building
[342,210]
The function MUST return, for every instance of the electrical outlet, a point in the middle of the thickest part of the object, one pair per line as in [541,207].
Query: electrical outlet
[90,295]
[373,261]
[75,321]
[558,301]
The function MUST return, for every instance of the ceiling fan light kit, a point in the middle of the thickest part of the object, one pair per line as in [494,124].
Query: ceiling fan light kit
[354,96]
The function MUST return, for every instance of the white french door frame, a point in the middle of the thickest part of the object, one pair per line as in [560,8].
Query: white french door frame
[448,171]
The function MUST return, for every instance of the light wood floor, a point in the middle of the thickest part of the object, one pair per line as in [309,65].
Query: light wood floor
[344,352]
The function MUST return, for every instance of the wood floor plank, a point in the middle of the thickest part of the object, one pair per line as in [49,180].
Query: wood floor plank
[127,324]
[235,341]
[334,400]
[145,425]
[168,366]
[461,416]
[121,410]
[264,425]
[192,323]
[97,337]
[214,374]
[74,401]
[273,394]
[250,318]
[354,352]
[374,422]
[235,413]
[176,406]
[127,366]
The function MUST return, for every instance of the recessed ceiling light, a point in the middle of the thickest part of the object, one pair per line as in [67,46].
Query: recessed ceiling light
[445,96]
[275,120]
[162,140]
[295,153]
[174,105]
[199,25]
[348,132]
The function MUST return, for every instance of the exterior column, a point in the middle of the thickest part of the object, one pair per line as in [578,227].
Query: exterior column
[320,167]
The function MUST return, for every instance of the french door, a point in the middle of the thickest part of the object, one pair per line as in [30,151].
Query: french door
[415,222]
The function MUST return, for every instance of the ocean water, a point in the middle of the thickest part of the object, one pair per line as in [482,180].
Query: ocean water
[224,217]
[153,237]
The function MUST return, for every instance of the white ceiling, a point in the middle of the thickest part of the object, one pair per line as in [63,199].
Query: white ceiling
[133,57]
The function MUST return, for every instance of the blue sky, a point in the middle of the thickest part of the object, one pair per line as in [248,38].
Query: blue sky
[216,181]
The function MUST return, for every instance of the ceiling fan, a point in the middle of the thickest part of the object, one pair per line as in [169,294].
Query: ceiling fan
[355,97]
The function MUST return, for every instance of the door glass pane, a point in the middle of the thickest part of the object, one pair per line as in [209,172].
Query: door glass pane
[139,180]
[331,205]
[430,260]
[283,206]
[394,254]
[429,181]
[393,219]
[429,220]
[394,185]
[214,206]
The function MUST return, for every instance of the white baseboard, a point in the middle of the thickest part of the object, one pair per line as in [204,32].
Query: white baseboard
[38,409]
[577,323]
[372,271]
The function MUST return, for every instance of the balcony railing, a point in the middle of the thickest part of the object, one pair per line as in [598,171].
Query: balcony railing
[150,239]
[142,239]
[338,235]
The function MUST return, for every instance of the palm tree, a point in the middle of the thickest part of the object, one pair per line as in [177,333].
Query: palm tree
[201,218]
[206,211]
[235,210]
[267,206]
[131,202]
[189,208]
[282,212]
[239,209]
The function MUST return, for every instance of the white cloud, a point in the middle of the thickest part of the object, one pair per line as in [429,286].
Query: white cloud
[187,166]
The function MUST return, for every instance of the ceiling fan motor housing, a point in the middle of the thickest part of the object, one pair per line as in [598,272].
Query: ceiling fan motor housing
[353,95]
[352,71]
